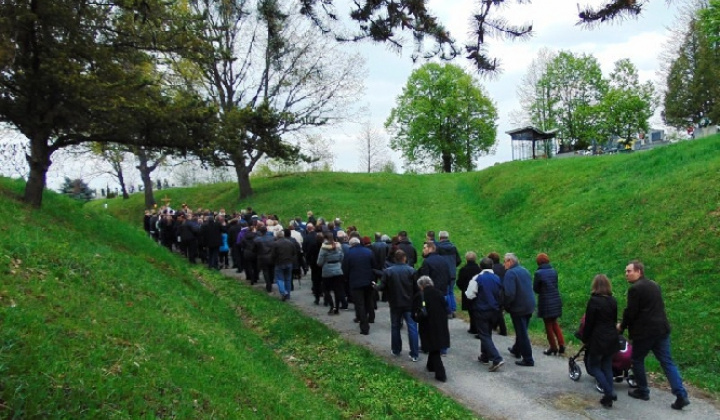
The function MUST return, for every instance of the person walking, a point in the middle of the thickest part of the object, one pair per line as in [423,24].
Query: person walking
[450,254]
[549,305]
[520,304]
[358,267]
[429,311]
[649,330]
[398,283]
[485,292]
[330,259]
[601,336]
[284,252]
[466,273]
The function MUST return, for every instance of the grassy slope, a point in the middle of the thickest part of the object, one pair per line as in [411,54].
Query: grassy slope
[590,214]
[97,322]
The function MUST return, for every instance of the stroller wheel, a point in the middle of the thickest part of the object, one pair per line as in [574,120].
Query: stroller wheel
[574,370]
[631,381]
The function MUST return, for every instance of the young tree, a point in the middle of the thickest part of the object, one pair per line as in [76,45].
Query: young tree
[372,149]
[628,104]
[443,118]
[576,88]
[76,189]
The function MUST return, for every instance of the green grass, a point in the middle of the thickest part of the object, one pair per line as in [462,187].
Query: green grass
[98,322]
[591,215]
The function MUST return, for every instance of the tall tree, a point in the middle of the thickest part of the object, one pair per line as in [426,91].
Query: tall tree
[271,76]
[693,81]
[534,94]
[576,88]
[77,72]
[442,118]
[628,104]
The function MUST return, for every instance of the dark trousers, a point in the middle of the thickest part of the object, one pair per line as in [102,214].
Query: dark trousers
[364,310]
[268,272]
[213,257]
[484,322]
[435,364]
[191,247]
[522,344]
[316,277]
[251,269]
[334,285]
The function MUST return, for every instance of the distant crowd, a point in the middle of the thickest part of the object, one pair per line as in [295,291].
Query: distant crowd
[348,268]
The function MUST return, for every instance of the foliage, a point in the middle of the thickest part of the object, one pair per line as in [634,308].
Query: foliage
[573,88]
[710,21]
[99,322]
[77,189]
[386,20]
[692,81]
[442,119]
[534,95]
[628,105]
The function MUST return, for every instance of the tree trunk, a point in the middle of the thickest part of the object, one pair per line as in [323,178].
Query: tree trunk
[39,162]
[243,177]
[121,180]
[145,171]
[447,162]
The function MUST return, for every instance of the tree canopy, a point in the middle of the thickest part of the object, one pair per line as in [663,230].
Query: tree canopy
[442,119]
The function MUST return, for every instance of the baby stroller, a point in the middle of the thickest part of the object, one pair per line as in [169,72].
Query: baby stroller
[621,361]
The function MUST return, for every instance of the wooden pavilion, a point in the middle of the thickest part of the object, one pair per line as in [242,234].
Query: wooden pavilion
[527,136]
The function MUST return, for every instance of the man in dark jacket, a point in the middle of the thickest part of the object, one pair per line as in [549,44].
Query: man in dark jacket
[398,280]
[499,270]
[358,267]
[466,273]
[485,291]
[284,253]
[263,249]
[408,248]
[449,252]
[649,330]
[212,238]
[435,267]
[520,304]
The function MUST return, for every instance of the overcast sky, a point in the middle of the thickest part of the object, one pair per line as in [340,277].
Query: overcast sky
[554,24]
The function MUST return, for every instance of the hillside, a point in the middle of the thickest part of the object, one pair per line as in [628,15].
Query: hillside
[98,322]
[591,215]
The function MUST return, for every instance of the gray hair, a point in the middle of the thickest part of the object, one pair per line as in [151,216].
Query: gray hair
[511,257]
[279,234]
[424,281]
[385,238]
[444,234]
[470,256]
[354,241]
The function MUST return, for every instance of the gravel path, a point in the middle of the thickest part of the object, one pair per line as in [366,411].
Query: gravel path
[535,393]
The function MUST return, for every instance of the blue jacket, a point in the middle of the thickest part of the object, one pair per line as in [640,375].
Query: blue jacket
[358,265]
[545,284]
[489,291]
[519,295]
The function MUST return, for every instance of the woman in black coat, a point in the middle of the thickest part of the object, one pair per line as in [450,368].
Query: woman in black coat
[470,270]
[549,306]
[601,336]
[434,331]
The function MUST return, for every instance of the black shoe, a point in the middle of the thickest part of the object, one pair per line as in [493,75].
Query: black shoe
[477,336]
[317,301]
[483,360]
[524,363]
[550,352]
[606,401]
[284,297]
[516,355]
[679,403]
[472,332]
[372,321]
[561,350]
[637,394]
[365,332]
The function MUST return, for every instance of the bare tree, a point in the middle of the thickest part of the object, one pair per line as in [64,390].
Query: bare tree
[533,96]
[372,148]
[13,148]
[320,151]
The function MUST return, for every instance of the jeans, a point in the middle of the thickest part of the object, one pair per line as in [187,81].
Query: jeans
[396,316]
[450,298]
[601,368]
[660,347]
[522,340]
[283,278]
[484,322]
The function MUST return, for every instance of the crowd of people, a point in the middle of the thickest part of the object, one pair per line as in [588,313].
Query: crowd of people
[347,268]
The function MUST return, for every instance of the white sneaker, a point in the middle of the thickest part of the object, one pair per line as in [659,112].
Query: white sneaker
[496,365]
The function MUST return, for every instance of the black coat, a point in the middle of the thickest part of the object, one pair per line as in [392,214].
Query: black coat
[645,313]
[545,284]
[470,270]
[434,331]
[212,234]
[600,333]
[435,267]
